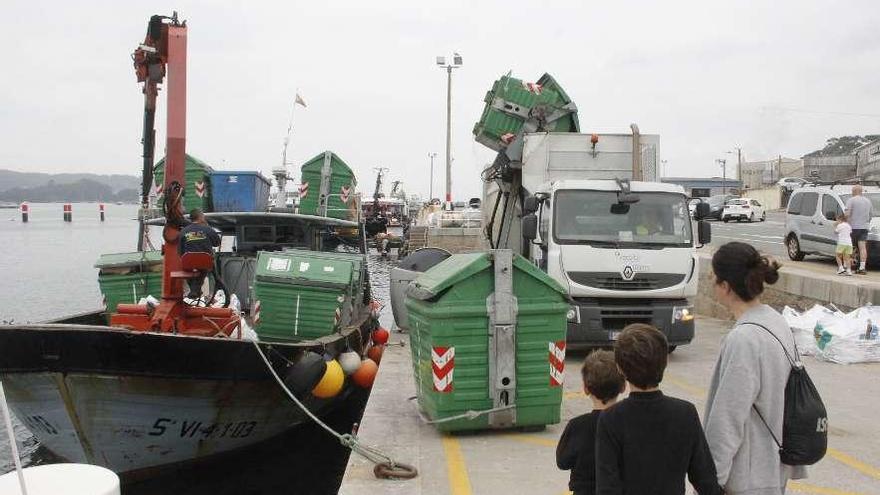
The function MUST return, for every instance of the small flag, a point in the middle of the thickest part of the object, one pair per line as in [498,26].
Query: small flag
[299,100]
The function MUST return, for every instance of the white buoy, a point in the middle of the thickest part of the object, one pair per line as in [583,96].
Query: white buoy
[53,479]
[67,479]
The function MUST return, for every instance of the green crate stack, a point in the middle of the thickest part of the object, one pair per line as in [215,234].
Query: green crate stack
[197,172]
[341,202]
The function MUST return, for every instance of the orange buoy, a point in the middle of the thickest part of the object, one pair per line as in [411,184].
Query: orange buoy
[366,374]
[375,353]
[332,381]
[380,336]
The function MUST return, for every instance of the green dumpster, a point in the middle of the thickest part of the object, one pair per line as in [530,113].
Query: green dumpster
[127,277]
[197,193]
[487,334]
[513,105]
[301,295]
[327,188]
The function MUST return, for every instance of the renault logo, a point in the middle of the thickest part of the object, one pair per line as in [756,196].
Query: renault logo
[628,272]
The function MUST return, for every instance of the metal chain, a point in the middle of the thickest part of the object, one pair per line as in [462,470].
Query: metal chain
[385,467]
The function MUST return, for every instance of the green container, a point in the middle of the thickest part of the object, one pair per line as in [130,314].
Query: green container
[127,277]
[448,311]
[301,295]
[512,102]
[327,179]
[197,193]
[358,263]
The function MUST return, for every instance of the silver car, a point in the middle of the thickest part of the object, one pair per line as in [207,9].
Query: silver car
[811,214]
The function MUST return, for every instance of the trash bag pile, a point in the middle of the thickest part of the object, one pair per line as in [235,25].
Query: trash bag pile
[837,337]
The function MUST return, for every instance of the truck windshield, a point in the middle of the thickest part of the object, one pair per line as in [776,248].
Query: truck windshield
[657,220]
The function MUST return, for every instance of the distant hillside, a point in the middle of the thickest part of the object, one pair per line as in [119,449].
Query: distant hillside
[10,179]
[81,190]
[843,145]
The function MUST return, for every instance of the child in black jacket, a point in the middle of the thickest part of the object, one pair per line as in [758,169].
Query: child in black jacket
[648,442]
[577,445]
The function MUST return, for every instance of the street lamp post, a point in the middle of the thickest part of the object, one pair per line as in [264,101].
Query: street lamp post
[456,63]
[431,155]
[739,163]
[723,163]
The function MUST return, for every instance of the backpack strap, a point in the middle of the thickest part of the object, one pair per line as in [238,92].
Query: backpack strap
[793,365]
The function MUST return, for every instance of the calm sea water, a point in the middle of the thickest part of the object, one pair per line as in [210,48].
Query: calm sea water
[48,271]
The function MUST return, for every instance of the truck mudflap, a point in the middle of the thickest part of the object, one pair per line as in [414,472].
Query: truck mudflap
[598,322]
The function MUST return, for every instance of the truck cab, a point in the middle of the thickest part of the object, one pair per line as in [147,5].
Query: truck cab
[623,250]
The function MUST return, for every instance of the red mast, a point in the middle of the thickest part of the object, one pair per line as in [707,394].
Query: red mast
[164,50]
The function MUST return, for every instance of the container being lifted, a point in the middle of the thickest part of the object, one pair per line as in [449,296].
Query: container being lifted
[327,188]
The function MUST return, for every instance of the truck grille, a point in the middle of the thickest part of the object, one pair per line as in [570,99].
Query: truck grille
[613,281]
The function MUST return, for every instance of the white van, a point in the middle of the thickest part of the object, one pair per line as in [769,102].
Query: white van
[809,221]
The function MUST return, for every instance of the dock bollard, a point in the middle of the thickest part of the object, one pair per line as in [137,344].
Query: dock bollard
[68,212]
[101,210]
[24,212]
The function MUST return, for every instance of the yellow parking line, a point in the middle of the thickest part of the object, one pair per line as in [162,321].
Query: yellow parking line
[459,483]
[800,487]
[854,463]
[835,454]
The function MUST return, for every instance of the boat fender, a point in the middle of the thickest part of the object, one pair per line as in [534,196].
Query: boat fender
[350,362]
[305,373]
[366,373]
[332,381]
[375,353]
[380,336]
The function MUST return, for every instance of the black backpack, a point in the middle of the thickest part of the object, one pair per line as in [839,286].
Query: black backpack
[805,421]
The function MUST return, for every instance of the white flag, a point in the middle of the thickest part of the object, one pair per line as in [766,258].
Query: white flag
[299,100]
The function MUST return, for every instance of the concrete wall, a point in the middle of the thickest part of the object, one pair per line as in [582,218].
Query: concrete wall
[868,157]
[758,174]
[769,197]
[831,167]
[797,287]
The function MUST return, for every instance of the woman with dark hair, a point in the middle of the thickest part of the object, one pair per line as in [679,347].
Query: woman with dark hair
[746,397]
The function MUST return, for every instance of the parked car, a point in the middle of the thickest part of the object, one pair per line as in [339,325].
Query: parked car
[740,209]
[792,182]
[810,217]
[716,205]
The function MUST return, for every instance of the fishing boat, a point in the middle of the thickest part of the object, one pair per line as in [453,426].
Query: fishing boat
[158,381]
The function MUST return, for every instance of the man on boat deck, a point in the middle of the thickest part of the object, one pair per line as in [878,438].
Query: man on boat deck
[197,237]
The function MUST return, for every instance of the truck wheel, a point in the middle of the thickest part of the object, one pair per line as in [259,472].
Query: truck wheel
[725,219]
[672,348]
[794,248]
[751,218]
[764,216]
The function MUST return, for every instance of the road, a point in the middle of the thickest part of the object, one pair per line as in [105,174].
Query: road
[766,236]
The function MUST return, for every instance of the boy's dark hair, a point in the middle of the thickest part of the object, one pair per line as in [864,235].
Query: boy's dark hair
[641,351]
[601,377]
[196,214]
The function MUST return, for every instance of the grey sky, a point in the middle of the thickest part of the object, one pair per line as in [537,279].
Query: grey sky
[705,76]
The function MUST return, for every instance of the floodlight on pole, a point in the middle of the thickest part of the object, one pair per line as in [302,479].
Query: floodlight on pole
[456,63]
[723,164]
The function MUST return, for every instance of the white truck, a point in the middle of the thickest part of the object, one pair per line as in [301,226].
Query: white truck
[586,209]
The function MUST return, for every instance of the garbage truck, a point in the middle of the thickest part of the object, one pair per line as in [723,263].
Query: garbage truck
[588,210]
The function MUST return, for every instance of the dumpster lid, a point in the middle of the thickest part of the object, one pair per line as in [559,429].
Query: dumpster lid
[459,267]
[118,260]
[304,269]
[422,259]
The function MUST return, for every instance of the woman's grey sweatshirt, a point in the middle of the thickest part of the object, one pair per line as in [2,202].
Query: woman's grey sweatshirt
[751,369]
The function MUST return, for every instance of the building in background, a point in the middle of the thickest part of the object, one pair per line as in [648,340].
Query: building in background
[838,159]
[703,187]
[766,173]
[868,160]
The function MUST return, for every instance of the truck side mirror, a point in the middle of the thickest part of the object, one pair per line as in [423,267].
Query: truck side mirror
[530,205]
[529,226]
[701,211]
[704,232]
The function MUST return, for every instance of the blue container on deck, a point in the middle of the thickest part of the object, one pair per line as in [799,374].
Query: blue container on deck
[239,191]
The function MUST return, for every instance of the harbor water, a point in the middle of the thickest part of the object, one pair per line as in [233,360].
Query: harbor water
[48,272]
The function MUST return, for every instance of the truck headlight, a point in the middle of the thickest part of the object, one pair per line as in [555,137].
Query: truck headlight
[573,315]
[682,314]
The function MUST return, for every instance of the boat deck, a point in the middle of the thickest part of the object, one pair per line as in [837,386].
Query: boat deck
[517,462]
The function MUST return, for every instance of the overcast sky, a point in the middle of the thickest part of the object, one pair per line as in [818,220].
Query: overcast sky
[771,77]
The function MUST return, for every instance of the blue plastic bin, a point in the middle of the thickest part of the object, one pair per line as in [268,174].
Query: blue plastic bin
[239,191]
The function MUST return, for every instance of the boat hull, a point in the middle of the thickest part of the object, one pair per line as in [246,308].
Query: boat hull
[136,402]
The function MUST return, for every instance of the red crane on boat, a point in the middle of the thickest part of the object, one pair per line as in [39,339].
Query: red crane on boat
[162,53]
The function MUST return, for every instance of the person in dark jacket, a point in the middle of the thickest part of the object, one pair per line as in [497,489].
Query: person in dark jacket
[197,237]
[576,450]
[648,442]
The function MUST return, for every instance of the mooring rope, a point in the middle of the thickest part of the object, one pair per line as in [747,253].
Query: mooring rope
[385,466]
[469,414]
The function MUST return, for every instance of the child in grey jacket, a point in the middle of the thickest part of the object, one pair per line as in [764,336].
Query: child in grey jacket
[750,376]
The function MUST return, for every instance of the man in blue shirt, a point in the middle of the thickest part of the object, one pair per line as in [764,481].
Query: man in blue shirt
[197,237]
